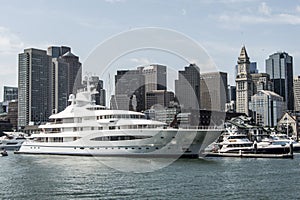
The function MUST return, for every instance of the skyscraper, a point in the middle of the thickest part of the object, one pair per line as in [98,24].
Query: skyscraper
[66,76]
[213,90]
[45,82]
[243,81]
[280,68]
[297,93]
[187,87]
[34,99]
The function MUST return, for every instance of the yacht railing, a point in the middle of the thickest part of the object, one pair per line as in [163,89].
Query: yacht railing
[202,127]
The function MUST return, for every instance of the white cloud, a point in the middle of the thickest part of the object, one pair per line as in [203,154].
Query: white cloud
[183,11]
[140,61]
[264,9]
[282,18]
[298,8]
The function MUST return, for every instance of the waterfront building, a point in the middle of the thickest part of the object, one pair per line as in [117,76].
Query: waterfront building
[161,98]
[297,93]
[267,108]
[244,88]
[213,91]
[34,75]
[187,87]
[12,113]
[290,124]
[280,68]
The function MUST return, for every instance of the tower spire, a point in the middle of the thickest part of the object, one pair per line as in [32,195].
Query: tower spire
[243,58]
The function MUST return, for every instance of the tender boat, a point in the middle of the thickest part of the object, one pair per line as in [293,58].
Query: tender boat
[12,140]
[86,129]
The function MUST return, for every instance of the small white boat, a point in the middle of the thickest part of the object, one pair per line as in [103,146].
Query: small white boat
[12,140]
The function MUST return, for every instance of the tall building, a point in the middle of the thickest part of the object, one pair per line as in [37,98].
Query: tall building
[297,93]
[187,87]
[46,79]
[267,108]
[10,93]
[280,68]
[213,91]
[34,98]
[243,81]
[66,76]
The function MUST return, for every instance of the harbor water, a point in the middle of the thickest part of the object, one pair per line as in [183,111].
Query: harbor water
[67,177]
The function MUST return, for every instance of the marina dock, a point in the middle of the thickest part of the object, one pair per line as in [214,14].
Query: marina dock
[249,155]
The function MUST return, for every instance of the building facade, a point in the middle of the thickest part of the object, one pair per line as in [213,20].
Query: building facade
[267,108]
[213,91]
[160,98]
[131,86]
[10,93]
[34,98]
[297,93]
[261,81]
[187,87]
[280,68]
[100,97]
[244,89]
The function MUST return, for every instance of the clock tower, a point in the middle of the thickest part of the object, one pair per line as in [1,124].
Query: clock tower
[243,81]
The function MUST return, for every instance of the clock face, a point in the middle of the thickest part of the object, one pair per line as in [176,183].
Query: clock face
[242,68]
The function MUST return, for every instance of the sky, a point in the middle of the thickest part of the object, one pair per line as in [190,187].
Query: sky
[220,27]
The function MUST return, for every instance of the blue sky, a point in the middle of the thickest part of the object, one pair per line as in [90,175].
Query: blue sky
[221,27]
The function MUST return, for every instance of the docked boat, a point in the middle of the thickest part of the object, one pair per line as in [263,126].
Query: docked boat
[279,142]
[12,140]
[86,129]
[234,142]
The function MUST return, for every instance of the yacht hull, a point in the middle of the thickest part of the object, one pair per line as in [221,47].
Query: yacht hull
[162,143]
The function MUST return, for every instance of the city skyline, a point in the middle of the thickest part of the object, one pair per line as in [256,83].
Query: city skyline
[220,27]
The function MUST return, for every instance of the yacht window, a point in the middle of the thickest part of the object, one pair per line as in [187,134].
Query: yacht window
[120,137]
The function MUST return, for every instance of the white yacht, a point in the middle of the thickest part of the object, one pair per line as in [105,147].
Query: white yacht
[86,129]
[235,143]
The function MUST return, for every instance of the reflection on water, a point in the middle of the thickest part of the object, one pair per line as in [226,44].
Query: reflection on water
[66,177]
